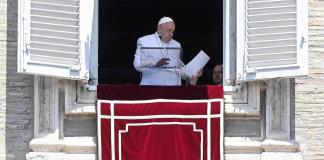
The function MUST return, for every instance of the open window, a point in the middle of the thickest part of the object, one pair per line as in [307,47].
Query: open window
[198,27]
[59,38]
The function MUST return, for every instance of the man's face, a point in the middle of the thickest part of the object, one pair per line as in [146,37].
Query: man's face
[218,74]
[166,31]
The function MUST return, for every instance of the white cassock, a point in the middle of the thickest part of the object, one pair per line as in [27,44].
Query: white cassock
[157,75]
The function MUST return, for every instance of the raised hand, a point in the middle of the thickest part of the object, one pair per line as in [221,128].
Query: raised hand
[162,62]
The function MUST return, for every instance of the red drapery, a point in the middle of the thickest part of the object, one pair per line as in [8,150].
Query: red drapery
[136,92]
[160,129]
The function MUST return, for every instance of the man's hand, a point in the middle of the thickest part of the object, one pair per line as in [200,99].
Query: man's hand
[162,62]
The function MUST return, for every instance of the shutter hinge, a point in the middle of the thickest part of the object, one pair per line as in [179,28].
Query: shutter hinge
[303,40]
[27,49]
[76,67]
[86,75]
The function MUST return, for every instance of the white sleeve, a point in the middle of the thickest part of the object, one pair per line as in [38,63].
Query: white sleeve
[138,62]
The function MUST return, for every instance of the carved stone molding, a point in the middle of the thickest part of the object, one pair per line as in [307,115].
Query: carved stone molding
[46,107]
[245,102]
[79,100]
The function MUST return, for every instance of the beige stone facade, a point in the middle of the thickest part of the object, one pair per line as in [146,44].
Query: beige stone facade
[17,101]
[16,93]
[310,92]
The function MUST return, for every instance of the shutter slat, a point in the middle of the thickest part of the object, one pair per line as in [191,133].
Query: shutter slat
[271,29]
[273,56]
[272,63]
[275,16]
[61,2]
[58,47]
[271,43]
[50,26]
[54,53]
[37,63]
[265,4]
[53,60]
[262,24]
[271,36]
[55,20]
[55,40]
[273,49]
[263,0]
[272,10]
[51,33]
[53,13]
[50,6]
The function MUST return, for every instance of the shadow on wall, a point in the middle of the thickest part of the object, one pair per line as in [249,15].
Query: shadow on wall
[19,94]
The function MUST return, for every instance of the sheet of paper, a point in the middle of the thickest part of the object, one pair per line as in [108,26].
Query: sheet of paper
[197,63]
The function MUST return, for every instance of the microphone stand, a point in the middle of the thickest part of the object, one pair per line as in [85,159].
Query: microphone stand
[183,65]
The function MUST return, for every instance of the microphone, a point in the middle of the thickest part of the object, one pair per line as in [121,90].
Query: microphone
[160,35]
[176,58]
[182,64]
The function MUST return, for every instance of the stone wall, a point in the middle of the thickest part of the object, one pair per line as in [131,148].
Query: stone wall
[16,90]
[309,110]
[3,56]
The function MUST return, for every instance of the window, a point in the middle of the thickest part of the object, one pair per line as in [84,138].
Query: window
[267,39]
[198,27]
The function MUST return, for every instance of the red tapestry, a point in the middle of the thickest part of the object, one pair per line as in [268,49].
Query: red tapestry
[160,130]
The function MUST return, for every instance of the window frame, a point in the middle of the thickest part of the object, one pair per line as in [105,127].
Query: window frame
[233,44]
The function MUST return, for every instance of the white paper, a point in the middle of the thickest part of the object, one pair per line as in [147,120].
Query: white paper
[197,63]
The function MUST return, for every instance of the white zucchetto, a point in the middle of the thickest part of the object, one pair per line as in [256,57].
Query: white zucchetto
[165,20]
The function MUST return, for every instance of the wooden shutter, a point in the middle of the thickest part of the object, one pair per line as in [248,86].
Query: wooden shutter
[54,37]
[271,39]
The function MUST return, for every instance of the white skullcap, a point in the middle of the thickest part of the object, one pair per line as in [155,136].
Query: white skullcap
[165,20]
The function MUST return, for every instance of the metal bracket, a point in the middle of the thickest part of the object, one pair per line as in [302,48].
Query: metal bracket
[91,85]
[76,67]
[250,70]
[236,88]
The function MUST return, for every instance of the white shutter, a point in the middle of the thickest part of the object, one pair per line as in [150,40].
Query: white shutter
[54,37]
[271,39]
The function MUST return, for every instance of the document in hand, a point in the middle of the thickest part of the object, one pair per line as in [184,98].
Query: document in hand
[197,63]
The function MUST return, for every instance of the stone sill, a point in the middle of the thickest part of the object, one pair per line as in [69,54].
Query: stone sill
[230,111]
[263,156]
[59,156]
[233,145]
[239,145]
[81,110]
[84,145]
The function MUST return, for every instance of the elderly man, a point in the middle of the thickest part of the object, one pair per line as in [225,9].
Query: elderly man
[154,72]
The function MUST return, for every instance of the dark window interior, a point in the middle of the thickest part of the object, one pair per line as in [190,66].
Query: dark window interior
[121,22]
